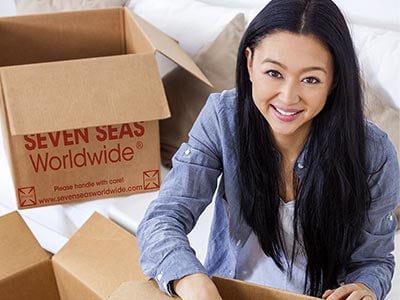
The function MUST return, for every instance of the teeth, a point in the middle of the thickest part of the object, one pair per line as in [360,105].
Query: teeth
[282,112]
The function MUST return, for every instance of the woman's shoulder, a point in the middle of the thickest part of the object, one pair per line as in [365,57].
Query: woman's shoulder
[224,101]
[379,148]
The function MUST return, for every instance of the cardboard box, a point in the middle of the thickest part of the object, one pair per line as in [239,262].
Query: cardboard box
[81,97]
[228,289]
[26,271]
[96,260]
[93,264]
[99,262]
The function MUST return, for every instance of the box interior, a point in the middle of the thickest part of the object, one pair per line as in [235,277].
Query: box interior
[60,36]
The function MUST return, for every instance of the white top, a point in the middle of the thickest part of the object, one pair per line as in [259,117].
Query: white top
[254,266]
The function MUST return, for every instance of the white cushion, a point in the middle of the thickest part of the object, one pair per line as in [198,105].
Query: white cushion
[379,55]
[192,23]
[384,14]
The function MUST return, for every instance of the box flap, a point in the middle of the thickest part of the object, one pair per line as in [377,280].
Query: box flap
[139,290]
[83,93]
[240,290]
[101,255]
[17,239]
[170,48]
[228,289]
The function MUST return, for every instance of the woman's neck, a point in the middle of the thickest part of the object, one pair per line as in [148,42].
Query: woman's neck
[289,147]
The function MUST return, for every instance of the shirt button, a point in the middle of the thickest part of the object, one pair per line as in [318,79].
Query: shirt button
[390,217]
[187,152]
[159,276]
[300,166]
[238,243]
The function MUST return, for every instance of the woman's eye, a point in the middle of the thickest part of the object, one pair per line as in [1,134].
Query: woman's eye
[311,80]
[274,74]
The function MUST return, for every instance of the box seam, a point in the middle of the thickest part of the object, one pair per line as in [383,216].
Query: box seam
[27,268]
[123,31]
[6,130]
[141,30]
[54,262]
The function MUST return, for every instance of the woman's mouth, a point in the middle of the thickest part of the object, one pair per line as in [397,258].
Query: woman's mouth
[285,115]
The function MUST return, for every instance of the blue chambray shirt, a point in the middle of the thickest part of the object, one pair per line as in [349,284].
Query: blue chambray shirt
[189,187]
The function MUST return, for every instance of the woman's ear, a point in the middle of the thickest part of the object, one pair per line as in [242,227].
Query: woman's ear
[249,58]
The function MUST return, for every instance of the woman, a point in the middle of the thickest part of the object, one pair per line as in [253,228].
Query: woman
[308,188]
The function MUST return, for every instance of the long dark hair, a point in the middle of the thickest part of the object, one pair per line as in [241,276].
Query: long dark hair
[333,196]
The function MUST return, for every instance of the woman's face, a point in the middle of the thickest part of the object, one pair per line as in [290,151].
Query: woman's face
[291,77]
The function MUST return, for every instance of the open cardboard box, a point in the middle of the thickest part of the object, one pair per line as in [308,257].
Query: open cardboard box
[229,289]
[81,96]
[93,263]
[101,261]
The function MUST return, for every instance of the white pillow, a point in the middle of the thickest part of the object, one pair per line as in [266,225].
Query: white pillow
[193,24]
[384,14]
[379,56]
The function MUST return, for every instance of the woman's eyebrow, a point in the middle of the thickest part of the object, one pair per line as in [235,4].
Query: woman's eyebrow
[307,69]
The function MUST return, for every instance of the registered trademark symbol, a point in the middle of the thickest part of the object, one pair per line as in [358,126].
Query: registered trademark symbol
[139,145]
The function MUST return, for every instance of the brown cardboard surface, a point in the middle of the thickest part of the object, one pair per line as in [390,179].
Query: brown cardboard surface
[240,290]
[100,261]
[96,260]
[26,272]
[65,95]
[139,290]
[228,289]
[81,98]
[60,36]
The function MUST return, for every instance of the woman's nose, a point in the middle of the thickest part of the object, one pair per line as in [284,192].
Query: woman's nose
[289,92]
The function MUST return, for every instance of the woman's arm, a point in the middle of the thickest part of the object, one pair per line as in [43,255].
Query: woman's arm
[372,263]
[186,191]
[196,287]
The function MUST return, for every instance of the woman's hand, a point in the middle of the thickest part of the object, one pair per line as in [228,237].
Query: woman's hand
[351,291]
[197,286]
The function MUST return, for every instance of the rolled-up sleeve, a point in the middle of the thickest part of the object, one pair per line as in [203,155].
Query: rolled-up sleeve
[372,263]
[188,188]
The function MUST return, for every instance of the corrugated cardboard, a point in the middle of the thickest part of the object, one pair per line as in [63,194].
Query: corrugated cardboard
[96,260]
[93,263]
[228,289]
[26,272]
[100,262]
[81,97]
[240,290]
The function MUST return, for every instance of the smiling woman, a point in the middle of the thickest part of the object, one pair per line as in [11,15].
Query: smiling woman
[290,87]
[308,188]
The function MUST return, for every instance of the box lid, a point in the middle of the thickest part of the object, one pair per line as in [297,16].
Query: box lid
[139,290]
[240,290]
[228,289]
[101,255]
[170,48]
[19,249]
[82,93]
